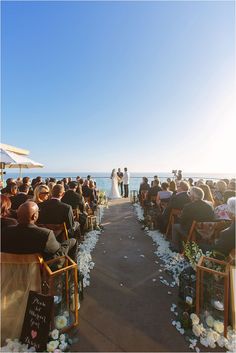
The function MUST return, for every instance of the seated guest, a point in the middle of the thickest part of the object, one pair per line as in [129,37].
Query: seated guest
[164,194]
[154,189]
[88,192]
[41,193]
[6,219]
[66,183]
[221,211]
[207,194]
[71,197]
[231,185]
[178,201]
[27,238]
[154,178]
[220,189]
[173,187]
[37,181]
[198,210]
[10,190]
[7,189]
[54,211]
[226,241]
[144,186]
[26,180]
[76,201]
[21,197]
[211,185]
[181,197]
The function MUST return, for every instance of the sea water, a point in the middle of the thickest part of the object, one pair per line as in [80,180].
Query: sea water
[103,178]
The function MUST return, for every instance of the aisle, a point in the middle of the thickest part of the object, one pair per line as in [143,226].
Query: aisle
[124,309]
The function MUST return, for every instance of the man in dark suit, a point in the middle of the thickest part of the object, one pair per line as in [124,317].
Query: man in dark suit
[76,201]
[21,197]
[54,211]
[120,181]
[197,210]
[27,238]
[178,200]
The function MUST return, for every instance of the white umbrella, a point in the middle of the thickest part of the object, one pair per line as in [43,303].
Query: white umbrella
[14,160]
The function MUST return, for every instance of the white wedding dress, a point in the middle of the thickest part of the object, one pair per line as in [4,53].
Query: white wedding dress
[114,192]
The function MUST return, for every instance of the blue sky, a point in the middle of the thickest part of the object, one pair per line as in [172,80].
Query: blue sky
[97,85]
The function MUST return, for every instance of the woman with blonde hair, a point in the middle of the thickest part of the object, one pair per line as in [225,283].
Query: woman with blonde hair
[207,194]
[41,193]
[221,187]
[172,186]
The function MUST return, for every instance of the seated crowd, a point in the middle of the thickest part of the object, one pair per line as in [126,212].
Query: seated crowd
[29,209]
[178,203]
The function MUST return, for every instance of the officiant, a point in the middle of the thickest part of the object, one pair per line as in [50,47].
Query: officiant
[120,181]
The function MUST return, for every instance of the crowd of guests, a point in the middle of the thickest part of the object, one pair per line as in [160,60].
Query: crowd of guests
[28,206]
[200,201]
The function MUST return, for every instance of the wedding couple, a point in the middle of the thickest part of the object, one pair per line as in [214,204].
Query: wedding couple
[119,179]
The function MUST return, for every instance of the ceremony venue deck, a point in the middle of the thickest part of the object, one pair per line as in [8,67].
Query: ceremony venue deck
[126,307]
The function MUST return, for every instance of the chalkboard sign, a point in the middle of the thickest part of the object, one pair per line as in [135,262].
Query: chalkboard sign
[36,324]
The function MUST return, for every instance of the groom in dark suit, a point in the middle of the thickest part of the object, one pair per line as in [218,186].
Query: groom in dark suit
[120,182]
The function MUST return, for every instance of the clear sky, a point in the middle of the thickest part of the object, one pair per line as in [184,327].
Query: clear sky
[91,86]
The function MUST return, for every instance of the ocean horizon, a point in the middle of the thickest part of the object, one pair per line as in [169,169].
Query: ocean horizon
[103,178]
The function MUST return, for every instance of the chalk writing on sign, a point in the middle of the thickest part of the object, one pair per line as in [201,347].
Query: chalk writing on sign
[36,324]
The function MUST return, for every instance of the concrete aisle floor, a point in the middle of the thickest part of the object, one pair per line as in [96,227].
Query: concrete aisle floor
[123,309]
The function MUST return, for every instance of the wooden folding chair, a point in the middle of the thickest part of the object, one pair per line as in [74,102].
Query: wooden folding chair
[76,213]
[174,213]
[206,232]
[20,273]
[60,230]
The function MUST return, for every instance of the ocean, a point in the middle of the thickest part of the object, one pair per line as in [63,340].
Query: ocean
[103,178]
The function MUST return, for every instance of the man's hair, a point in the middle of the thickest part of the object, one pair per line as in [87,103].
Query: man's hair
[197,193]
[125,169]
[25,180]
[232,205]
[57,190]
[184,185]
[72,185]
[24,188]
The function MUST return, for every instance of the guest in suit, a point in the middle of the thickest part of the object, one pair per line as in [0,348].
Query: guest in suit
[126,178]
[76,201]
[178,201]
[88,193]
[21,197]
[54,211]
[198,210]
[27,238]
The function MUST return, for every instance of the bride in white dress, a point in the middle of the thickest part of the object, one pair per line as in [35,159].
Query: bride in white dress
[114,192]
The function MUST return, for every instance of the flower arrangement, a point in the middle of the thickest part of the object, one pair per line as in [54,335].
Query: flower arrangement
[102,198]
[193,253]
[57,342]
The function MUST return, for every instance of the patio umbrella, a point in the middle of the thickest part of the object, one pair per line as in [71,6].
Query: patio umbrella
[14,160]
